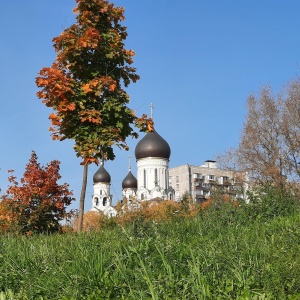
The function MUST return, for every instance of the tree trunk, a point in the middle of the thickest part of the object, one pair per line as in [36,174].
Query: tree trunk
[82,198]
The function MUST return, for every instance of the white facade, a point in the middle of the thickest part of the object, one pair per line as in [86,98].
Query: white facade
[102,199]
[153,179]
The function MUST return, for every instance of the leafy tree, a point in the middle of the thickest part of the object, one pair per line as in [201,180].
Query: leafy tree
[85,86]
[38,203]
[269,148]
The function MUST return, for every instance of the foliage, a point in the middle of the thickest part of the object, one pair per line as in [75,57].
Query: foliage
[269,148]
[38,203]
[222,253]
[141,213]
[85,84]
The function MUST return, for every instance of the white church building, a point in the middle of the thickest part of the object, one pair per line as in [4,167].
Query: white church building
[155,179]
[152,155]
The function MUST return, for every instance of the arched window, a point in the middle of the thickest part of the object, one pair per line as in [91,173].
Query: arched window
[155,177]
[145,178]
[104,201]
[96,199]
[142,196]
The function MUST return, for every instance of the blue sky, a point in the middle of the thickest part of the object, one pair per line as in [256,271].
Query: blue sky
[198,61]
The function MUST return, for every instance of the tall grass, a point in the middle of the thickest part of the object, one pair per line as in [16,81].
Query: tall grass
[222,253]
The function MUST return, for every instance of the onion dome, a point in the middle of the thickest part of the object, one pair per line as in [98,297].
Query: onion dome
[152,145]
[129,182]
[101,175]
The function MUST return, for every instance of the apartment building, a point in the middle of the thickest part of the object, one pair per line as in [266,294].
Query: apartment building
[202,181]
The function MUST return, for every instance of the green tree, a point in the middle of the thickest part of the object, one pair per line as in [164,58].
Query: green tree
[85,86]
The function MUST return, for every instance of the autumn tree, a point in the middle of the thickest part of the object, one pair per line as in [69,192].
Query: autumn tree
[85,86]
[38,203]
[269,149]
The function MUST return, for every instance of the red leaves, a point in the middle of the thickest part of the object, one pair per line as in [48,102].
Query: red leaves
[39,202]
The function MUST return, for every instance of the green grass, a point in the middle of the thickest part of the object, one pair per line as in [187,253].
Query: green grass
[223,253]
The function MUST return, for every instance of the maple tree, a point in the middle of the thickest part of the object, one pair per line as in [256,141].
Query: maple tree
[85,86]
[38,203]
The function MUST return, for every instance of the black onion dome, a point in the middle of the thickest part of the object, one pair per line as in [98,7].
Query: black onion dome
[129,182]
[101,176]
[152,145]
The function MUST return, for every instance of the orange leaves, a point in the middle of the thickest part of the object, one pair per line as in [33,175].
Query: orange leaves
[63,106]
[56,137]
[150,125]
[86,88]
[97,84]
[88,75]
[90,38]
[55,119]
[112,87]
[75,10]
[144,123]
[90,160]
[92,116]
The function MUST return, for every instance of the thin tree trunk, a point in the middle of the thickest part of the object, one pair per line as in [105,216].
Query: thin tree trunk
[82,198]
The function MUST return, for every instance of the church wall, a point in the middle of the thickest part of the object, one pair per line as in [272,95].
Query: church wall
[147,166]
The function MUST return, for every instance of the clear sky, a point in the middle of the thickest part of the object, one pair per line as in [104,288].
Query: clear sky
[198,61]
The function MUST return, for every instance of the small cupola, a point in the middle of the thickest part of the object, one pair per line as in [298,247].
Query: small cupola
[129,182]
[101,176]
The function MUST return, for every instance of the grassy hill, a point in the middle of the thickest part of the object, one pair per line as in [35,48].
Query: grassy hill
[225,252]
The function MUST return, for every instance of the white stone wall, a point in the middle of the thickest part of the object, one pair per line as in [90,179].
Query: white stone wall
[102,199]
[149,165]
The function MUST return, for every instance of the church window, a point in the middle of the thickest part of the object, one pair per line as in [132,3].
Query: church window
[104,201]
[144,178]
[100,192]
[155,177]
[96,201]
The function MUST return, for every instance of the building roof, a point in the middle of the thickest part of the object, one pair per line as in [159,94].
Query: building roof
[101,176]
[152,145]
[129,182]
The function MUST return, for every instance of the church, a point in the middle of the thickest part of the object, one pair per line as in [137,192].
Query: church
[155,180]
[152,155]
